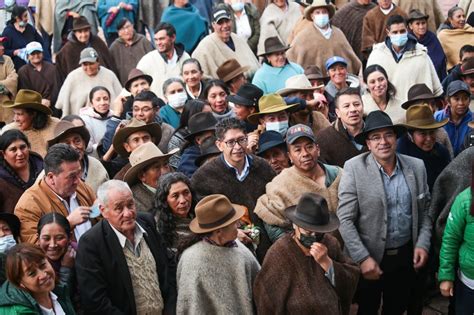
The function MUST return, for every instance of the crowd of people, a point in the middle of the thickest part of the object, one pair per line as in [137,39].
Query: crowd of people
[236,156]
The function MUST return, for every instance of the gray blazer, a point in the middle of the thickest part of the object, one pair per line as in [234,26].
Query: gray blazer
[363,210]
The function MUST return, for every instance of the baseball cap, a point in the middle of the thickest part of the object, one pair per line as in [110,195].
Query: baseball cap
[298,131]
[219,14]
[457,86]
[88,54]
[32,47]
[333,60]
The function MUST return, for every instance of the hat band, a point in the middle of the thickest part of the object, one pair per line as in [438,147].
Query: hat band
[222,220]
[309,219]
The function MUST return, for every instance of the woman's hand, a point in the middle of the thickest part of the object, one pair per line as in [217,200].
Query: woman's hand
[69,258]
[446,288]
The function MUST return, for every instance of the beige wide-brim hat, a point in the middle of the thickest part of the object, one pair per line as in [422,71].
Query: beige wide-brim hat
[268,104]
[297,83]
[28,99]
[134,125]
[420,116]
[214,212]
[143,156]
[319,4]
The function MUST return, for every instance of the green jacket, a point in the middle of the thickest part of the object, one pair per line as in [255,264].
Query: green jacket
[457,247]
[15,301]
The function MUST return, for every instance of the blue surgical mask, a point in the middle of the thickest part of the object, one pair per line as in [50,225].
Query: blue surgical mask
[238,6]
[22,24]
[6,242]
[399,40]
[279,126]
[321,20]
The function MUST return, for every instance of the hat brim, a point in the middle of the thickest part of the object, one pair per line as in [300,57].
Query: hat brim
[131,176]
[414,18]
[317,77]
[253,118]
[200,159]
[418,99]
[239,100]
[81,130]
[426,127]
[239,212]
[88,59]
[83,27]
[148,78]
[332,225]
[121,136]
[268,145]
[235,73]
[274,50]
[286,91]
[191,136]
[399,130]
[13,222]
[309,10]
[34,106]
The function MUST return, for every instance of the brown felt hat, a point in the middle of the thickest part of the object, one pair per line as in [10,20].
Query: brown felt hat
[214,212]
[467,66]
[135,125]
[420,116]
[418,93]
[80,23]
[416,14]
[272,45]
[136,74]
[230,69]
[28,99]
[314,73]
[65,128]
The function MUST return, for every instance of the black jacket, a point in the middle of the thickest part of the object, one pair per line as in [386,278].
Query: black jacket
[102,271]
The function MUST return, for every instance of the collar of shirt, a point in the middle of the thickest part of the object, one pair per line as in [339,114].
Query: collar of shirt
[351,138]
[191,94]
[174,58]
[387,11]
[228,244]
[245,171]
[67,203]
[124,241]
[395,171]
[326,33]
[152,189]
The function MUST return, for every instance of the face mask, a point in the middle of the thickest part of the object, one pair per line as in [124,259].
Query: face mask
[6,243]
[321,20]
[399,40]
[177,100]
[308,240]
[22,24]
[237,7]
[279,126]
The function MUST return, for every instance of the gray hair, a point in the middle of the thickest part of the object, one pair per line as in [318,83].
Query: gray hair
[113,184]
[169,81]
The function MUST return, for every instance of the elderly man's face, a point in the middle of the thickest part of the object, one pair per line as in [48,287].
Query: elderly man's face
[139,85]
[126,32]
[83,35]
[75,140]
[35,57]
[278,159]
[385,4]
[120,211]
[153,172]
[304,154]
[66,181]
[382,144]
[223,28]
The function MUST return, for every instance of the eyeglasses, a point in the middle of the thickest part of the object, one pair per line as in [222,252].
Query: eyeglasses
[378,138]
[231,143]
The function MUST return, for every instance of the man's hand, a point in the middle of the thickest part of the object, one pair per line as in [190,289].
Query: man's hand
[420,257]
[370,269]
[319,252]
[252,142]
[446,288]
[242,235]
[117,105]
[79,215]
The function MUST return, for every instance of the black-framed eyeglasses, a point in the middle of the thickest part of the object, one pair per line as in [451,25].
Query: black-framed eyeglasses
[231,143]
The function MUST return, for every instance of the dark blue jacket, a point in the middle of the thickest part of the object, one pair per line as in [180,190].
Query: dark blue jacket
[187,163]
[456,133]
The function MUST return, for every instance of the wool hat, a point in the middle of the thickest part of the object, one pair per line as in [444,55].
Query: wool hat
[230,69]
[219,13]
[268,140]
[416,14]
[200,122]
[297,83]
[312,214]
[136,74]
[65,128]
[420,116]
[457,86]
[12,221]
[299,131]
[272,45]
[80,23]
[319,4]
[378,120]
[417,93]
[143,156]
[208,149]
[88,54]
[214,212]
[467,67]
[333,60]
[314,73]
[32,47]
[247,95]
[268,104]
[134,125]
[28,99]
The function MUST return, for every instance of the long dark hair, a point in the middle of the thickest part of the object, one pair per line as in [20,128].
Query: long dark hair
[17,12]
[161,209]
[391,90]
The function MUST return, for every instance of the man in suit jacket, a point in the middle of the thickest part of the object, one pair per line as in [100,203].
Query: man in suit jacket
[383,209]
[122,266]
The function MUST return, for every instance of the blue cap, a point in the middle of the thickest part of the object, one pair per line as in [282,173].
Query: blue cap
[333,60]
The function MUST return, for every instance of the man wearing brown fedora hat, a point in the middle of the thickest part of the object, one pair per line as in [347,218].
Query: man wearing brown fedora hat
[383,209]
[311,252]
[61,190]
[223,45]
[68,57]
[216,272]
[232,73]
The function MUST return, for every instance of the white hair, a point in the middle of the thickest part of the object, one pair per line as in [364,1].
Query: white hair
[113,184]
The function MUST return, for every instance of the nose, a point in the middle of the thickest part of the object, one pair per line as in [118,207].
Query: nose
[52,243]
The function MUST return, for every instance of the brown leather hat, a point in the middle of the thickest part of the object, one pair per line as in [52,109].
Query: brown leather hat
[230,69]
[80,23]
[136,74]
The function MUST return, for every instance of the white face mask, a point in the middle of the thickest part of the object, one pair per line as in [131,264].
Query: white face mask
[177,100]
[321,20]
[6,243]
[279,126]
[238,6]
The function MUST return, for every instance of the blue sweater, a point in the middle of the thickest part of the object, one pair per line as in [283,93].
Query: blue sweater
[456,133]
[270,79]
[170,116]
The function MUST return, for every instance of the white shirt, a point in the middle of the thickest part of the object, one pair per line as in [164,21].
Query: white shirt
[124,241]
[71,206]
[387,11]
[56,310]
[243,25]
[245,171]
[174,59]
[326,33]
